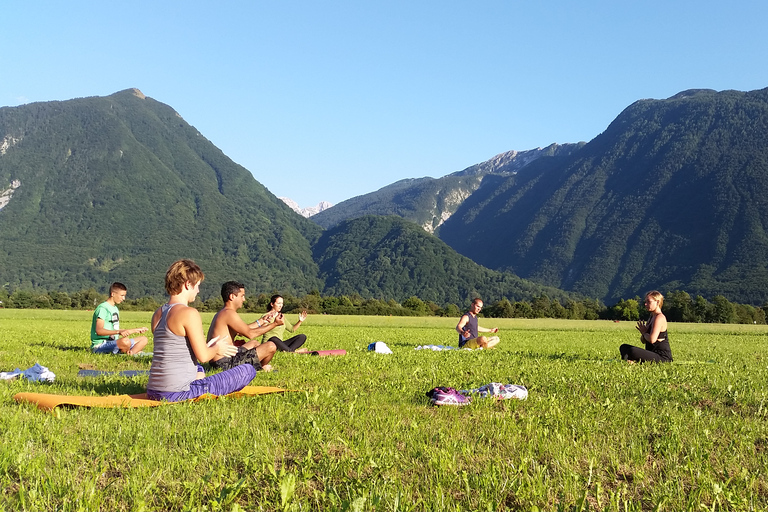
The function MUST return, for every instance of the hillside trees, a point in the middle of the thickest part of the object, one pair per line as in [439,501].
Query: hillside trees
[678,306]
[673,194]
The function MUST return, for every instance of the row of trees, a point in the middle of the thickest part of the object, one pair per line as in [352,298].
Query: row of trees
[679,306]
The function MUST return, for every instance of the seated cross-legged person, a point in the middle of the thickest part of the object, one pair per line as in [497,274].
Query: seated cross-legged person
[106,335]
[275,314]
[227,324]
[652,333]
[180,345]
[469,329]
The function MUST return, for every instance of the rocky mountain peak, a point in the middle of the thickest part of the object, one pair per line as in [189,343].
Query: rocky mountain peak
[306,212]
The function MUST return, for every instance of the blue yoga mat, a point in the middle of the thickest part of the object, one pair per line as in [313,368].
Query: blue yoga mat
[99,373]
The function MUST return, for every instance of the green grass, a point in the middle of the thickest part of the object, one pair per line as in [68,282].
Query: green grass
[595,433]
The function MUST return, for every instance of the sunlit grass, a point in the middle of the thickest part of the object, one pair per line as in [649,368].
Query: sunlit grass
[594,434]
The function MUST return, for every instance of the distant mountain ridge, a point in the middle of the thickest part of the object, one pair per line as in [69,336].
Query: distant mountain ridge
[116,188]
[672,195]
[306,212]
[431,201]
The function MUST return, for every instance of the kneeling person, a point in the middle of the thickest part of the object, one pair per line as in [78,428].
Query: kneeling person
[106,335]
[228,323]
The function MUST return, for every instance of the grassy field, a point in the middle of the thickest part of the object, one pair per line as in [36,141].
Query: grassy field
[359,434]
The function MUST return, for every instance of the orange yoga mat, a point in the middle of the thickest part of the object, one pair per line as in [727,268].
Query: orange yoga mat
[48,402]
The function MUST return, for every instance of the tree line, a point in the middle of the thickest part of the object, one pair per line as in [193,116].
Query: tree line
[679,306]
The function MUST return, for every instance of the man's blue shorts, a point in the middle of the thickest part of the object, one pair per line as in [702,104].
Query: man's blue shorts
[109,347]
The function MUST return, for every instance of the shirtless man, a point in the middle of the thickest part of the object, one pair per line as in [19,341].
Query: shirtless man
[227,324]
[468,329]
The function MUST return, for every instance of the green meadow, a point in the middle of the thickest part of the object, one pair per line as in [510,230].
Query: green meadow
[357,432]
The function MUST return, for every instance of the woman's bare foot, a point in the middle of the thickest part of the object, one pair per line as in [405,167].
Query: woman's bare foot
[266,368]
[300,351]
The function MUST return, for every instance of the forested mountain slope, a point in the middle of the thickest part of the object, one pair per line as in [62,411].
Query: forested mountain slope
[99,189]
[118,187]
[671,195]
[430,201]
[674,194]
[389,257]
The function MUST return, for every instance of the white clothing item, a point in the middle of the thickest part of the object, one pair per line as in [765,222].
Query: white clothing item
[501,391]
[379,347]
[11,375]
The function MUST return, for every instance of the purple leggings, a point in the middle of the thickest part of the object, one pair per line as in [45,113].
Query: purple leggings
[219,384]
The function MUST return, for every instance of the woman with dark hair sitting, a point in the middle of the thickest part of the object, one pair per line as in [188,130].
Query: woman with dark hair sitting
[276,334]
[653,333]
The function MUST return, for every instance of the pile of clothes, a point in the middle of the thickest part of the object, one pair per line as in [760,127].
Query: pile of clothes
[36,373]
[449,396]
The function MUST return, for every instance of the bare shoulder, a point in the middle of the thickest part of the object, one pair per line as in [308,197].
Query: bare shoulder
[225,316]
[182,314]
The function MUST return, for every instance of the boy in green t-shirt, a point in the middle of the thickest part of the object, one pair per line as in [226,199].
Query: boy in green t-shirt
[106,335]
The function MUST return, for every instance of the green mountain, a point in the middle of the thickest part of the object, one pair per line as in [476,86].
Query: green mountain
[389,257]
[430,201]
[116,188]
[99,189]
[673,195]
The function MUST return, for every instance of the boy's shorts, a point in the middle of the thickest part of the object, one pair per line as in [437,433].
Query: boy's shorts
[109,347]
[471,344]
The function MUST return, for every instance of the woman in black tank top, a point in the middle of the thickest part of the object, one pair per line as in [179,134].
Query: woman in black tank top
[653,334]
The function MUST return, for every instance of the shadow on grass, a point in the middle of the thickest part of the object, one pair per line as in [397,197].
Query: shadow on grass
[118,387]
[567,357]
[110,385]
[578,357]
[73,348]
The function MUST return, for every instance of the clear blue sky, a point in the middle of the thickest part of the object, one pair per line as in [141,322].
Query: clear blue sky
[329,100]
